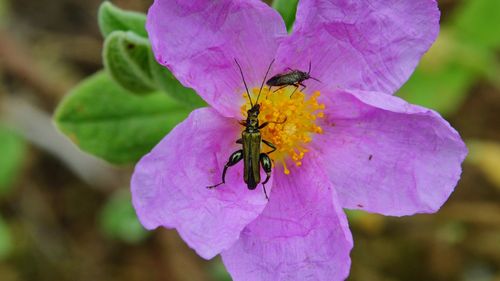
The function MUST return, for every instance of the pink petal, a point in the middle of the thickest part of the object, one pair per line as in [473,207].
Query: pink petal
[169,184]
[360,44]
[198,40]
[301,235]
[387,156]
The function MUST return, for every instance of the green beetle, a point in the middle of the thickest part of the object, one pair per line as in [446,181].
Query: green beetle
[251,140]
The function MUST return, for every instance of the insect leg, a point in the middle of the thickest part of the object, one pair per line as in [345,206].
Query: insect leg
[303,86]
[275,122]
[296,87]
[243,123]
[263,125]
[233,159]
[240,141]
[270,145]
[280,88]
[266,164]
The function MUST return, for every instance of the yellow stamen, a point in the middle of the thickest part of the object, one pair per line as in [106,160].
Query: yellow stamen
[300,112]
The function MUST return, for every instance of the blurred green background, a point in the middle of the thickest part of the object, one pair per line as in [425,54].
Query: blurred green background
[65,215]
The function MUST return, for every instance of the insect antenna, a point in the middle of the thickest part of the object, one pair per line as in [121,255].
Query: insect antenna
[263,81]
[244,82]
[309,73]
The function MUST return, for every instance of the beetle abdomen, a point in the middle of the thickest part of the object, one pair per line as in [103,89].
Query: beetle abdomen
[251,152]
[286,79]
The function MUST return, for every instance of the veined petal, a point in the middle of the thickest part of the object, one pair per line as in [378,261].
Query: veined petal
[370,45]
[386,156]
[169,184]
[198,40]
[301,235]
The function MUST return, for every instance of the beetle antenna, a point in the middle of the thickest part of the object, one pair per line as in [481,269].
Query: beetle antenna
[309,72]
[263,81]
[244,82]
[314,79]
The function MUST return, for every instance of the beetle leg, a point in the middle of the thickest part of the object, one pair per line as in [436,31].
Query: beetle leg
[243,123]
[281,88]
[296,85]
[275,122]
[281,122]
[240,141]
[233,159]
[270,145]
[303,86]
[269,91]
[263,125]
[266,164]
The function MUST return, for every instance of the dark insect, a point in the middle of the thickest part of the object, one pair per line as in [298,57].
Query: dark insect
[251,140]
[293,77]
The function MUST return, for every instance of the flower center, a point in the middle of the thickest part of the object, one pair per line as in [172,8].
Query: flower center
[292,121]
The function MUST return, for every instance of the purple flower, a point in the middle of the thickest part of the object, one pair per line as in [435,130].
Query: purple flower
[346,143]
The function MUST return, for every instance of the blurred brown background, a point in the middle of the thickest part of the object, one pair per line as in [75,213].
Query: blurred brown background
[66,216]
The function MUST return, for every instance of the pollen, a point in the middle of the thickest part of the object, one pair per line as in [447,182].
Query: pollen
[292,117]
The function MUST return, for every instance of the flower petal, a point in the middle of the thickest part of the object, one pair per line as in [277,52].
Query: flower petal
[370,45]
[387,156]
[301,235]
[199,40]
[169,184]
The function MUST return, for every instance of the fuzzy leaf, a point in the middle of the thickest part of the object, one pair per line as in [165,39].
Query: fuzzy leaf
[130,62]
[126,58]
[103,119]
[118,219]
[168,83]
[112,18]
[12,151]
[287,9]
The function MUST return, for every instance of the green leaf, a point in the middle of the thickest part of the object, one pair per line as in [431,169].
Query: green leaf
[218,271]
[12,151]
[130,62]
[5,239]
[444,76]
[443,90]
[111,18]
[168,83]
[478,21]
[103,119]
[126,58]
[287,9]
[118,219]
[462,54]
